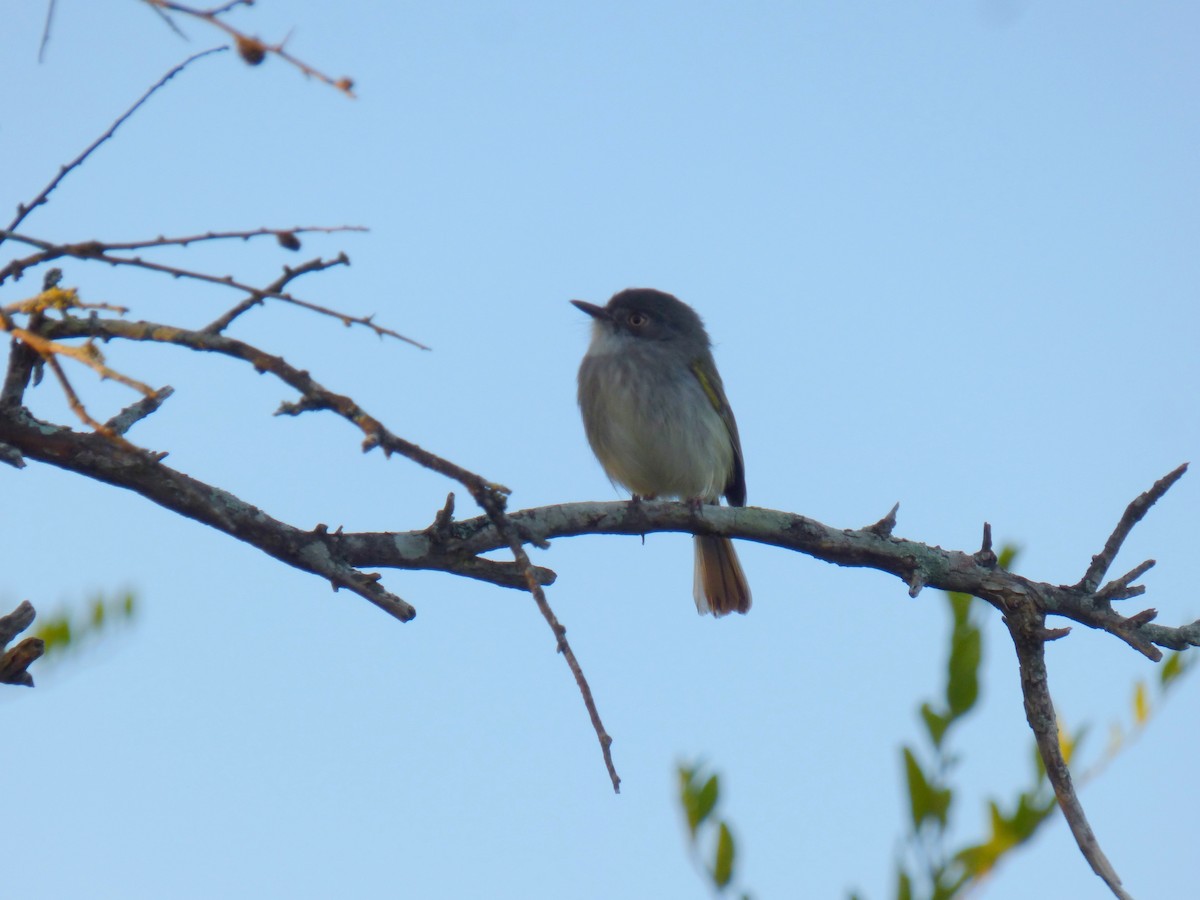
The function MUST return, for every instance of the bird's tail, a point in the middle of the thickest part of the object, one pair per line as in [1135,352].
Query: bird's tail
[720,585]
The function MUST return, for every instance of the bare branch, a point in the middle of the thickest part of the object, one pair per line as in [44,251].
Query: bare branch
[86,354]
[1120,588]
[113,460]
[251,49]
[99,251]
[25,209]
[505,526]
[277,286]
[285,236]
[135,412]
[457,546]
[1133,514]
[46,30]
[948,570]
[489,496]
[1026,625]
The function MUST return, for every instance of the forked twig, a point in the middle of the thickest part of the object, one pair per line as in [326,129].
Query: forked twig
[99,251]
[24,209]
[1133,514]
[251,49]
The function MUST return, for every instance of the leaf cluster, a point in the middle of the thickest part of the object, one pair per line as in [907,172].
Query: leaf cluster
[698,796]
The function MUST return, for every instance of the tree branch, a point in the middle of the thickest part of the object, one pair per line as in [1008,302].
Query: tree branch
[949,570]
[120,463]
[25,209]
[1026,625]
[251,49]
[456,547]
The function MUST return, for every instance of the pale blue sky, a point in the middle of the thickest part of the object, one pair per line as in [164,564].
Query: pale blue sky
[948,256]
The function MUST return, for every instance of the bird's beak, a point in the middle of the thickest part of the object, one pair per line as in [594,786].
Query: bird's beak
[596,312]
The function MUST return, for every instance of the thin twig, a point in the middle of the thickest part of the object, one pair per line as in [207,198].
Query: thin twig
[250,48]
[505,526]
[280,234]
[226,7]
[73,400]
[94,250]
[46,30]
[276,286]
[87,354]
[489,496]
[24,210]
[135,412]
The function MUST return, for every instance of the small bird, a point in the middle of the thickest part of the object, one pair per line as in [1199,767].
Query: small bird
[655,413]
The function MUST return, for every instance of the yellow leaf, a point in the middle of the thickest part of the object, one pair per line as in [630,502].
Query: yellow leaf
[1141,704]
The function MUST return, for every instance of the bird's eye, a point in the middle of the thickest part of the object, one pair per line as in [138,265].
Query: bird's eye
[637,319]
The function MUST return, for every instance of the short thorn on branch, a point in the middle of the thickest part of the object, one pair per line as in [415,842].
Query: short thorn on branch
[985,556]
[886,525]
[440,527]
[1053,634]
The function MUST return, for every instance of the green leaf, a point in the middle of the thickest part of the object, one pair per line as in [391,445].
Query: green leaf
[935,723]
[979,859]
[723,866]
[1032,811]
[56,633]
[904,890]
[706,800]
[697,801]
[687,796]
[98,612]
[918,789]
[960,606]
[926,800]
[1008,554]
[962,683]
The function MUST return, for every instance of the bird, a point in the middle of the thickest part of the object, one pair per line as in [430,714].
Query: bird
[656,416]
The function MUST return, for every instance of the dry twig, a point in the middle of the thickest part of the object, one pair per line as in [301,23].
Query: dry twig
[251,49]
[24,209]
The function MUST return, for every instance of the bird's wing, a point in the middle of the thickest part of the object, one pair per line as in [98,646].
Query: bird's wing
[706,373]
